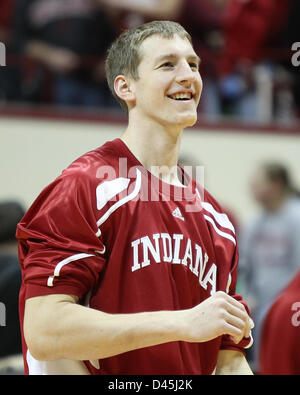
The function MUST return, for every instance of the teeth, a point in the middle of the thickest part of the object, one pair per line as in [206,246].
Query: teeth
[181,96]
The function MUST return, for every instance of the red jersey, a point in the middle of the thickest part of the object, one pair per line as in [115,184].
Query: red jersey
[124,241]
[280,339]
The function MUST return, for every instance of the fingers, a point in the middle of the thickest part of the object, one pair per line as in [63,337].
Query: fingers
[234,333]
[237,318]
[219,315]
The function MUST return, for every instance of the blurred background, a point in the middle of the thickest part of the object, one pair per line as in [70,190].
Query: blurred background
[55,106]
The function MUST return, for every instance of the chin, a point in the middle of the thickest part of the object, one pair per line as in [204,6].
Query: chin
[187,120]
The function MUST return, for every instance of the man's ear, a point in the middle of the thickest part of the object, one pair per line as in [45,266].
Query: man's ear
[123,89]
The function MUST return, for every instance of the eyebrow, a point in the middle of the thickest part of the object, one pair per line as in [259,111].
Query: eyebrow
[174,56]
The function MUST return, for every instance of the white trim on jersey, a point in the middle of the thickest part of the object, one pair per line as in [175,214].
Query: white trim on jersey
[64,262]
[126,199]
[221,218]
[223,234]
[250,341]
[109,189]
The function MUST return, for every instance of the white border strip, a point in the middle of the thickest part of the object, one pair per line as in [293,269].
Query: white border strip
[64,262]
[221,218]
[223,234]
[126,199]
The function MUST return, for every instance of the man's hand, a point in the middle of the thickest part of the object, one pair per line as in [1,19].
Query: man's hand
[61,60]
[162,9]
[218,315]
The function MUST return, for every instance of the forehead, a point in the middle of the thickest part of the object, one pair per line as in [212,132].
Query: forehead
[156,46]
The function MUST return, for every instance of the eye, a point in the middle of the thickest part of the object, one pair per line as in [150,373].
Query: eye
[194,66]
[167,65]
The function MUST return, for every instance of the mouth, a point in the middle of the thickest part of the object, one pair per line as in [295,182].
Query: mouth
[181,96]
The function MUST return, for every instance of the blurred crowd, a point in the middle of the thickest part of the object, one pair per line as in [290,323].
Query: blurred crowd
[56,51]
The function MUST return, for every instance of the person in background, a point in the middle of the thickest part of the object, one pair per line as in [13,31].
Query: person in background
[270,243]
[10,80]
[149,9]
[10,279]
[67,41]
[262,44]
[282,322]
[128,14]
[6,8]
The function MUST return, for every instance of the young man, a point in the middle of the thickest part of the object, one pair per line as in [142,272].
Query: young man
[132,271]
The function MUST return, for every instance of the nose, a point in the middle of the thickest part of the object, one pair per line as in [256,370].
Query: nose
[186,75]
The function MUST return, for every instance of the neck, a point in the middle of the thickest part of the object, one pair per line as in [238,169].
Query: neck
[155,146]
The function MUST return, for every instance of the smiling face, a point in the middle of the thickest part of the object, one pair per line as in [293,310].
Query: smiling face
[169,86]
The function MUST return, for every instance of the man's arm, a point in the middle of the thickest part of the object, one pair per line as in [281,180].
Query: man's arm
[232,363]
[61,60]
[167,9]
[56,327]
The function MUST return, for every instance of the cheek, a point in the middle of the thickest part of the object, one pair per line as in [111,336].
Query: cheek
[151,95]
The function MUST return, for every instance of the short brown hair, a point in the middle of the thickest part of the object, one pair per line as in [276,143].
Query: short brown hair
[124,57]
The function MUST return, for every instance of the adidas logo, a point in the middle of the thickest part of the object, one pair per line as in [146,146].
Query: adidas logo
[177,213]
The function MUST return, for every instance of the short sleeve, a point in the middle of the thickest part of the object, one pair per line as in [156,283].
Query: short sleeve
[60,249]
[227,343]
